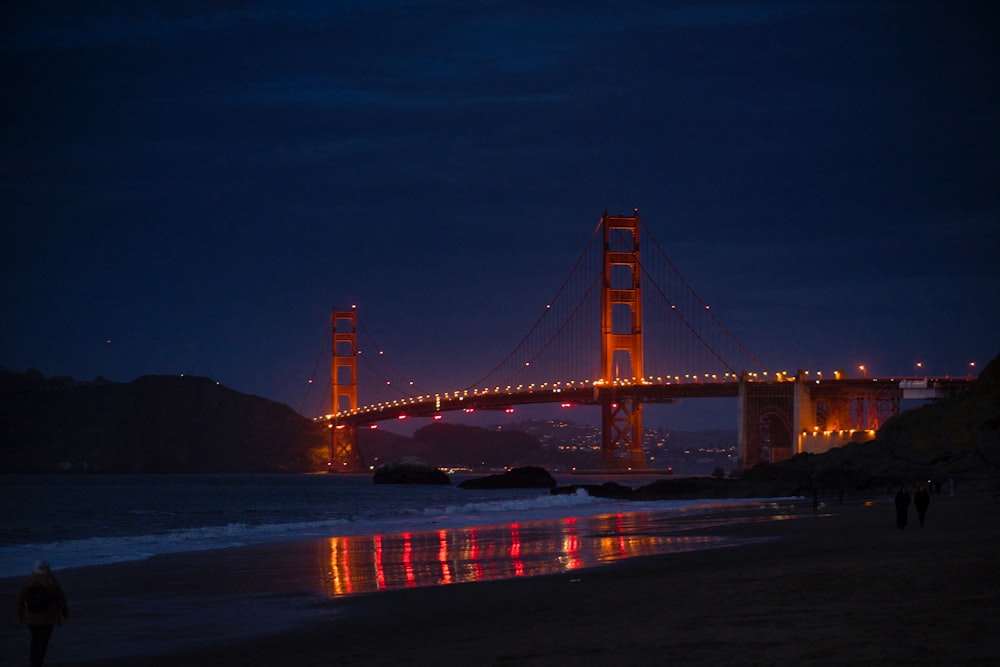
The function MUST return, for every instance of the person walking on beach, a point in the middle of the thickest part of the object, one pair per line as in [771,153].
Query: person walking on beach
[921,500]
[41,606]
[902,507]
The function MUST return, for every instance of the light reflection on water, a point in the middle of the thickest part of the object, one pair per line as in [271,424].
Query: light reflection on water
[366,564]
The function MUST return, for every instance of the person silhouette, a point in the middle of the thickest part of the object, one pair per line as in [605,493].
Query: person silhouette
[902,507]
[41,605]
[921,500]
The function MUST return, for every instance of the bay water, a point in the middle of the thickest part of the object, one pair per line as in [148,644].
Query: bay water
[154,563]
[78,520]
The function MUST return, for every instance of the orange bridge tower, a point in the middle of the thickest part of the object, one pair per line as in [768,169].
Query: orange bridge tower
[621,345]
[344,390]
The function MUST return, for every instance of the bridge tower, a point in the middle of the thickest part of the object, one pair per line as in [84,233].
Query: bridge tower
[621,345]
[344,390]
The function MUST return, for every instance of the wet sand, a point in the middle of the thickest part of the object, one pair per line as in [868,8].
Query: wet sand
[837,586]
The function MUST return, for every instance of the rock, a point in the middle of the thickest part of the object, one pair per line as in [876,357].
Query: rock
[409,470]
[528,477]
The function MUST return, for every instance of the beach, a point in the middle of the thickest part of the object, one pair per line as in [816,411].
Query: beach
[834,585]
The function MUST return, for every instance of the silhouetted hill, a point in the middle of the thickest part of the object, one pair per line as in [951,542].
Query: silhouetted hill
[956,438]
[154,424]
[452,446]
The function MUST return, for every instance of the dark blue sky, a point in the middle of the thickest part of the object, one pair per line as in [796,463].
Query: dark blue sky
[201,185]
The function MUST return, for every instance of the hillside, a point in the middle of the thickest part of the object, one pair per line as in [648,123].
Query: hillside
[454,446]
[154,424]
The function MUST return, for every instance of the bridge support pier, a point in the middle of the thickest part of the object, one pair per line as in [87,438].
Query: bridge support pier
[344,391]
[768,422]
[621,434]
[621,343]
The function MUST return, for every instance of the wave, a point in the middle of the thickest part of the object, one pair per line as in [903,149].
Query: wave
[107,550]
[16,559]
[539,505]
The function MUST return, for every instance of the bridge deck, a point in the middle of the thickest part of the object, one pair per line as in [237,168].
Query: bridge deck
[428,406]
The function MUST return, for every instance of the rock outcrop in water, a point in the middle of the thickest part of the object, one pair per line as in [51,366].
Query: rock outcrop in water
[154,424]
[410,470]
[527,477]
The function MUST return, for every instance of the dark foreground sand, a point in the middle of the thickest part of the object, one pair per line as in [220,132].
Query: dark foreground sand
[843,587]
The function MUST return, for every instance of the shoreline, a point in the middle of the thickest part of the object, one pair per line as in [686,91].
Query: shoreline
[144,606]
[838,586]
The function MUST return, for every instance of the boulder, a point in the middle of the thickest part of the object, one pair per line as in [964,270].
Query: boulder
[528,477]
[410,470]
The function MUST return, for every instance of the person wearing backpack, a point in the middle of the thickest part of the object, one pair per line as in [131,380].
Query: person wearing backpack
[41,606]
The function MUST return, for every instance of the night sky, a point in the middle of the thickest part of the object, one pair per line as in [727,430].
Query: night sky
[192,189]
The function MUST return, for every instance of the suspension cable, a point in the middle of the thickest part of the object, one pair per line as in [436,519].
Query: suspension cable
[305,394]
[545,312]
[711,314]
[392,367]
[677,312]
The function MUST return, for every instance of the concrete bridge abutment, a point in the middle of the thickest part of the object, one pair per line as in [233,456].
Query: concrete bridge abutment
[780,418]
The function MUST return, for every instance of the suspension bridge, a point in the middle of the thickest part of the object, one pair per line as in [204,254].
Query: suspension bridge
[623,330]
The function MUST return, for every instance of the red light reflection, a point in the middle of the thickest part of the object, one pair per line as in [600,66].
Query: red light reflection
[364,564]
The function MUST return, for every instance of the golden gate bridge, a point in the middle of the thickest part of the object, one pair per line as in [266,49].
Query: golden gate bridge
[624,329]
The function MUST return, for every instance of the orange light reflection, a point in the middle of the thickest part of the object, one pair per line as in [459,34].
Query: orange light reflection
[443,557]
[362,564]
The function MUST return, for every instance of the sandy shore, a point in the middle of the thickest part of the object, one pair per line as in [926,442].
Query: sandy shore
[841,587]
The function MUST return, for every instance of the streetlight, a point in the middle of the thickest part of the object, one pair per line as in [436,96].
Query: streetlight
[972,369]
[864,371]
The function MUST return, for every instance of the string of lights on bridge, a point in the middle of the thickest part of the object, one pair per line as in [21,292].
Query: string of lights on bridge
[553,389]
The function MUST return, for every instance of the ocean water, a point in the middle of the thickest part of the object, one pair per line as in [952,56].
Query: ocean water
[83,520]
[159,563]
